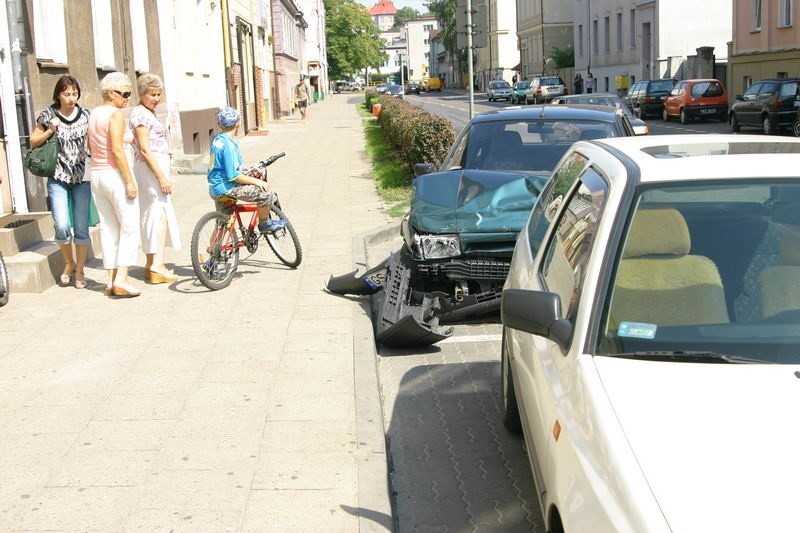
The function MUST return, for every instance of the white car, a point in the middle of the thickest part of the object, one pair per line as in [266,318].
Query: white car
[498,90]
[651,336]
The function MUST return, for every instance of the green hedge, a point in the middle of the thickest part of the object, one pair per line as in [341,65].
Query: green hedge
[371,96]
[414,134]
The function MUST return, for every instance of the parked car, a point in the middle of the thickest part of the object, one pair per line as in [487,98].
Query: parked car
[640,127]
[498,90]
[544,88]
[647,97]
[650,339]
[465,215]
[518,91]
[413,87]
[381,88]
[395,90]
[767,104]
[696,99]
[432,84]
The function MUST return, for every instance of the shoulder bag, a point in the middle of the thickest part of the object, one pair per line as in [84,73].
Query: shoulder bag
[42,160]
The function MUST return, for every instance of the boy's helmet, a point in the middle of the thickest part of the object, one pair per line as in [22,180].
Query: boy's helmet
[228,117]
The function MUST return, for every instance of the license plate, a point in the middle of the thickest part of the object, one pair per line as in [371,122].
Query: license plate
[797,103]
[706,111]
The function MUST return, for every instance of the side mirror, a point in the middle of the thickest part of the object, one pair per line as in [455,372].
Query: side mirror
[535,312]
[420,169]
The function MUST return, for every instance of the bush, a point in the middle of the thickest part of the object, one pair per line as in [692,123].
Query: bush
[371,96]
[414,134]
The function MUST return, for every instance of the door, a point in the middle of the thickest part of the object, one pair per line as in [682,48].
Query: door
[747,109]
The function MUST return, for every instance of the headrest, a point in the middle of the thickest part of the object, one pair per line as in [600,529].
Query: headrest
[508,139]
[658,231]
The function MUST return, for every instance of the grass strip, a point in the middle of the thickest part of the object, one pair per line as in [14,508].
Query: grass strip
[391,178]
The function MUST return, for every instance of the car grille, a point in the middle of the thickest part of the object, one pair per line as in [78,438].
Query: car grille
[465,269]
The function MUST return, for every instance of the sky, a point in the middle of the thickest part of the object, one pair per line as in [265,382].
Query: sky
[416,4]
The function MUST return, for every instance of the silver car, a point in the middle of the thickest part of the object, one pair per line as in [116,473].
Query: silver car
[545,88]
[640,127]
[499,90]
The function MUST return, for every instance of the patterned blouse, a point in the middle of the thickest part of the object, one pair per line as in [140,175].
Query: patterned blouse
[72,136]
[141,116]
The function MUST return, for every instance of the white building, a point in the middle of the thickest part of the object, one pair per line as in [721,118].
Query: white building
[395,48]
[628,40]
[418,46]
[498,59]
[316,54]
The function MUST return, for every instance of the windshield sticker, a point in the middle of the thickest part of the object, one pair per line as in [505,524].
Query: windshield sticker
[637,330]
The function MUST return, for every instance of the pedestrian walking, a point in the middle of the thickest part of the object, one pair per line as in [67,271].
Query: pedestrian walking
[578,83]
[589,83]
[113,186]
[69,122]
[301,96]
[151,170]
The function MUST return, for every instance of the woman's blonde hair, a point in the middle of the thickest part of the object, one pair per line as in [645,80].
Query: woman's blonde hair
[114,81]
[148,81]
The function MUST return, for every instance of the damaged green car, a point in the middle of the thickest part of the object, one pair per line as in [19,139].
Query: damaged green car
[460,231]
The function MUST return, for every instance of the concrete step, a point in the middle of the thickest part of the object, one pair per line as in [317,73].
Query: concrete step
[20,232]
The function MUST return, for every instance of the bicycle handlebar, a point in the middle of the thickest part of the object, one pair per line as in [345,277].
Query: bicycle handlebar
[259,170]
[271,159]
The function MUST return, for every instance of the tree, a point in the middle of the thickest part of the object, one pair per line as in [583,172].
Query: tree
[563,57]
[404,14]
[352,38]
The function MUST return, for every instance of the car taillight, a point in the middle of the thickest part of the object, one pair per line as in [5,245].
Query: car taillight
[539,90]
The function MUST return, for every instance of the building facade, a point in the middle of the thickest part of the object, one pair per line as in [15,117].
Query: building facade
[382,14]
[289,28]
[766,42]
[497,60]
[541,27]
[316,52]
[418,46]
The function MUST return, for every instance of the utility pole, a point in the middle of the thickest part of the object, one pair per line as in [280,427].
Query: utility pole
[469,60]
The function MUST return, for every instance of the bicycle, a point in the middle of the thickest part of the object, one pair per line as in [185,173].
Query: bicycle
[217,237]
[4,283]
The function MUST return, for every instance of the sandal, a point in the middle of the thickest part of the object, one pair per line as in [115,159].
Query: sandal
[65,278]
[80,283]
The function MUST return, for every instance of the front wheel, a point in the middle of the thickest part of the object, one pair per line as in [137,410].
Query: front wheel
[4,284]
[284,242]
[735,127]
[796,128]
[684,118]
[769,126]
[215,250]
[665,115]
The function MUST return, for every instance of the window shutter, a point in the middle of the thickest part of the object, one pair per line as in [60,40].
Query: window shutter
[103,35]
[141,58]
[49,31]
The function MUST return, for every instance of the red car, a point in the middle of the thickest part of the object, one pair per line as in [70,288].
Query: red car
[696,99]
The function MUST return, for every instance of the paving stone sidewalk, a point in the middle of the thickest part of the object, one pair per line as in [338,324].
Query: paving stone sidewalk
[253,408]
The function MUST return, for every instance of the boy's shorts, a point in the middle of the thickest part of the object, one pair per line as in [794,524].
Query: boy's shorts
[302,103]
[245,193]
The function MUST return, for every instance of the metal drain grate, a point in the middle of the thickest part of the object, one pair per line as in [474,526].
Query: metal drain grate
[17,224]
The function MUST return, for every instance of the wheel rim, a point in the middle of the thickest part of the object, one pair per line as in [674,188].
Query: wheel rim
[767,125]
[284,242]
[216,252]
[683,117]
[664,115]
[796,128]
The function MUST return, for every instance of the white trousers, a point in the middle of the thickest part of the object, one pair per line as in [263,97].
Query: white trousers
[155,206]
[119,219]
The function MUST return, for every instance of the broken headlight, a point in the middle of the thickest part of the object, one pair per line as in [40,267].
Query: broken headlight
[437,246]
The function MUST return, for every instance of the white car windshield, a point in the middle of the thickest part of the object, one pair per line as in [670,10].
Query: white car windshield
[708,270]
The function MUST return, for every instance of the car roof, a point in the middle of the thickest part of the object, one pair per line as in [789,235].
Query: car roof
[552,111]
[676,158]
[779,80]
[589,95]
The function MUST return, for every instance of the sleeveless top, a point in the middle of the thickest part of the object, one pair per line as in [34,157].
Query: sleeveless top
[72,138]
[99,137]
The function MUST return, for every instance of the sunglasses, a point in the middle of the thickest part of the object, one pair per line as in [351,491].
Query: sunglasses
[124,94]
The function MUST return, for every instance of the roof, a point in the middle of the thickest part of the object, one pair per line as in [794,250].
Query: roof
[689,157]
[383,7]
[554,112]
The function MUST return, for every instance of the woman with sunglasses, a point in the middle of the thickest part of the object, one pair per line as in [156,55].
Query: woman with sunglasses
[113,186]
[68,121]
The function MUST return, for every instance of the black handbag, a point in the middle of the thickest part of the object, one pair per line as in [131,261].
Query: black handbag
[42,160]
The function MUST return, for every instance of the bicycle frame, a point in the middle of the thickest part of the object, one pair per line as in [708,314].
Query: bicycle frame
[235,221]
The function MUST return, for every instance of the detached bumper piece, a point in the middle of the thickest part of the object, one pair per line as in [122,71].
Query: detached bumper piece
[369,282]
[407,318]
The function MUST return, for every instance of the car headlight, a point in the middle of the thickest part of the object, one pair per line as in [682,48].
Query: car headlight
[437,246]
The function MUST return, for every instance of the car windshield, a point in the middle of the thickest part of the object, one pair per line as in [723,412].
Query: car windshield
[393,88]
[708,268]
[522,85]
[500,85]
[528,145]
[661,85]
[553,80]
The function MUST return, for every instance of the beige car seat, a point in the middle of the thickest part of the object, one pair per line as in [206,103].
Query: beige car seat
[659,282]
[779,285]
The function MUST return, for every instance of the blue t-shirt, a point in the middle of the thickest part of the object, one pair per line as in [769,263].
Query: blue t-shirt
[223,164]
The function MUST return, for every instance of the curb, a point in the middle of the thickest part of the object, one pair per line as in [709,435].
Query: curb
[380,233]
[374,494]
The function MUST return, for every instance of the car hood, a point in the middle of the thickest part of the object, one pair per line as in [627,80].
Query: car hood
[469,201]
[717,443]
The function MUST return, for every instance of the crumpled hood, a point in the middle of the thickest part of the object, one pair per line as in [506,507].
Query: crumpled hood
[464,201]
[717,443]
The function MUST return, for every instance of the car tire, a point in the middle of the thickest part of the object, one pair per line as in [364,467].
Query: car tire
[684,118]
[796,128]
[735,127]
[664,115]
[768,125]
[511,419]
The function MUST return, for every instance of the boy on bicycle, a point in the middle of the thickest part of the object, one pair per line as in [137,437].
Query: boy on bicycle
[225,177]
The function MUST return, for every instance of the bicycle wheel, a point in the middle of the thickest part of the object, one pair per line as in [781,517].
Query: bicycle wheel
[284,242]
[215,251]
[4,284]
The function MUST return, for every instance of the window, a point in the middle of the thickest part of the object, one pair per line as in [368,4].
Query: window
[595,49]
[426,41]
[782,75]
[784,13]
[756,15]
[550,199]
[633,28]
[580,39]
[606,84]
[141,59]
[568,252]
[103,35]
[706,89]
[607,34]
[619,31]
[49,31]
[747,81]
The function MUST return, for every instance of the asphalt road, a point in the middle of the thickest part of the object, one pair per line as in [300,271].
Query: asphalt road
[454,467]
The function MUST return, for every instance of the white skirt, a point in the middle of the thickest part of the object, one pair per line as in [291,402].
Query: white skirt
[154,205]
